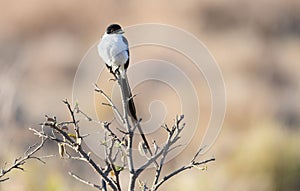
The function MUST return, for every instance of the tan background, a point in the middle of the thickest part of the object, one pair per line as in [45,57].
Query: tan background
[256,43]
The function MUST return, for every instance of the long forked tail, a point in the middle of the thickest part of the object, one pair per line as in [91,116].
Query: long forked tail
[131,107]
[127,92]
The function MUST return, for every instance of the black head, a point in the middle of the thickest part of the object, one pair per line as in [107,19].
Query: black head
[114,29]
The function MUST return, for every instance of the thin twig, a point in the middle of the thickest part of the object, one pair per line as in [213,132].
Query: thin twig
[85,181]
[198,152]
[172,139]
[112,134]
[75,123]
[172,174]
[97,89]
[19,162]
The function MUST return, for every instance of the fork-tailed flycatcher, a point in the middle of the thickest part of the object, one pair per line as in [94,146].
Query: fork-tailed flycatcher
[114,51]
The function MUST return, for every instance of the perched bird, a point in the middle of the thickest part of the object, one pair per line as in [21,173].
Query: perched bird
[114,51]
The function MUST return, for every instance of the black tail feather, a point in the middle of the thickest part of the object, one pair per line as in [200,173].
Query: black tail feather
[131,108]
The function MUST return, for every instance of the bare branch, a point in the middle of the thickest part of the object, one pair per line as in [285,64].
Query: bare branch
[124,148]
[197,154]
[97,89]
[19,162]
[115,145]
[128,128]
[113,135]
[75,123]
[172,174]
[4,179]
[85,181]
[173,137]
[74,144]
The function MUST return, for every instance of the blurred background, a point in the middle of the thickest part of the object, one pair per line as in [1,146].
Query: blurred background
[256,44]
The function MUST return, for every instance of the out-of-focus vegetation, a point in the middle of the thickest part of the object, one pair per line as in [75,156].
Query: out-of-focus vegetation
[256,43]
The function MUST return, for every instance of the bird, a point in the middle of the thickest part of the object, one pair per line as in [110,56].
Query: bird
[114,50]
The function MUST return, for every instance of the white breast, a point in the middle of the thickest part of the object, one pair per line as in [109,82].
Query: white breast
[113,50]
